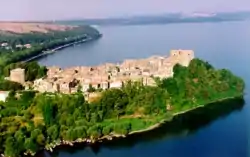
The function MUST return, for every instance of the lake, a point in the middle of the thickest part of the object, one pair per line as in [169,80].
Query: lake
[224,45]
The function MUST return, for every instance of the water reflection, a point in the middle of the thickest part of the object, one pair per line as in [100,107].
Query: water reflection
[182,125]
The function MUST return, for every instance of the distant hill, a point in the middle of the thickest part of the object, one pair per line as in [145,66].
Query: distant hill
[165,19]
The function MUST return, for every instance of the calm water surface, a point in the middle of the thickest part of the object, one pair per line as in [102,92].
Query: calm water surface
[225,45]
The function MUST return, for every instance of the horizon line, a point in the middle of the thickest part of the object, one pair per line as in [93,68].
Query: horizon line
[119,17]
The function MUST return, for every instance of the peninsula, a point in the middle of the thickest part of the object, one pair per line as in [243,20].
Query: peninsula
[45,107]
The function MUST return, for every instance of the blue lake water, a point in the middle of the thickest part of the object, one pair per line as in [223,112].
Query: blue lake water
[225,45]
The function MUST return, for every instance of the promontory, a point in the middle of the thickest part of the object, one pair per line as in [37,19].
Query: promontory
[43,107]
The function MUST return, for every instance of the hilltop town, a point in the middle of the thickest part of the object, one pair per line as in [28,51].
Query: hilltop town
[93,115]
[95,78]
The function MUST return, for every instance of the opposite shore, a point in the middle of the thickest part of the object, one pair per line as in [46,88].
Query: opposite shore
[44,53]
[90,141]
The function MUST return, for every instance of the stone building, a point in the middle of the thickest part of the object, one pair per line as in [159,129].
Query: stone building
[17,75]
[182,57]
[44,86]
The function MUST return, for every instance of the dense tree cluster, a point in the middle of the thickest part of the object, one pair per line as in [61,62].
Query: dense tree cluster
[200,83]
[6,85]
[30,121]
[40,42]
[32,71]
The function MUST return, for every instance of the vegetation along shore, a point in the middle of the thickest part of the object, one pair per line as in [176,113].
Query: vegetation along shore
[180,125]
[47,52]
[31,120]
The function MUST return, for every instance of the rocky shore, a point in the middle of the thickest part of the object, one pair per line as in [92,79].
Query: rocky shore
[89,141]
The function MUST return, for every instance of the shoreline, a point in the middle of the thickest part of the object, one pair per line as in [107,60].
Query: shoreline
[89,141]
[157,125]
[45,53]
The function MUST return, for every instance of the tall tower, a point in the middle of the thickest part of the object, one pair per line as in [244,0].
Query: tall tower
[17,75]
[182,57]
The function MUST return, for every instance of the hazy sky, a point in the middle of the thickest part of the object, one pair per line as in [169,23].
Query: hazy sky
[66,9]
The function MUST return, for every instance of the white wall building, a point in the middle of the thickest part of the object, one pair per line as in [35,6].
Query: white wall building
[4,44]
[3,95]
[116,84]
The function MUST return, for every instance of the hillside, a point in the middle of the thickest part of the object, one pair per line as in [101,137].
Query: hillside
[22,27]
[21,41]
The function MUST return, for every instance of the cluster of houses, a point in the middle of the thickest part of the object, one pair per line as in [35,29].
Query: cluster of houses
[93,78]
[27,46]
[6,46]
[110,75]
